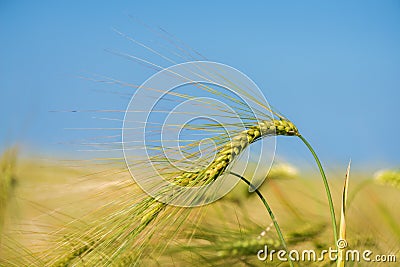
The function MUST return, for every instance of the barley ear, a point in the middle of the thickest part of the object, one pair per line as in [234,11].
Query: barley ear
[342,243]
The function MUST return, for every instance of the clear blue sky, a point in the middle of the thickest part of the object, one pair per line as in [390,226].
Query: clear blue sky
[333,67]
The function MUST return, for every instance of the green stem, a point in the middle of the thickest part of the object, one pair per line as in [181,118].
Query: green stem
[271,214]
[328,191]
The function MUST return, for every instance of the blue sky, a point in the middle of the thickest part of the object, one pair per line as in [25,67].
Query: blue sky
[333,67]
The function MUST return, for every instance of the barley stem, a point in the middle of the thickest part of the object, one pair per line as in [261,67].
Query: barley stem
[271,214]
[328,191]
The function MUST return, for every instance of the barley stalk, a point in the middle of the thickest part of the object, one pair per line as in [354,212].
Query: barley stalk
[271,214]
[326,184]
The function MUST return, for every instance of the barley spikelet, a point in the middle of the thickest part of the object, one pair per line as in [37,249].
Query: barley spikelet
[224,157]
[232,149]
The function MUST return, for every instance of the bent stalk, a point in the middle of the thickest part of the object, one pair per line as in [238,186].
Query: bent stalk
[271,214]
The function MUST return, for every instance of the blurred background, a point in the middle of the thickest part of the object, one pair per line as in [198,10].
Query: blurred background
[331,67]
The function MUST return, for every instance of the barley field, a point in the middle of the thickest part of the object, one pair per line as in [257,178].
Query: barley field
[45,200]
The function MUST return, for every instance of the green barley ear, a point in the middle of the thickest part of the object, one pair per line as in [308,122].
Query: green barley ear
[342,243]
[134,222]
[388,177]
[224,158]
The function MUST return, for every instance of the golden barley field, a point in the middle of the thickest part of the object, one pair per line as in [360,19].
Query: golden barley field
[45,201]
